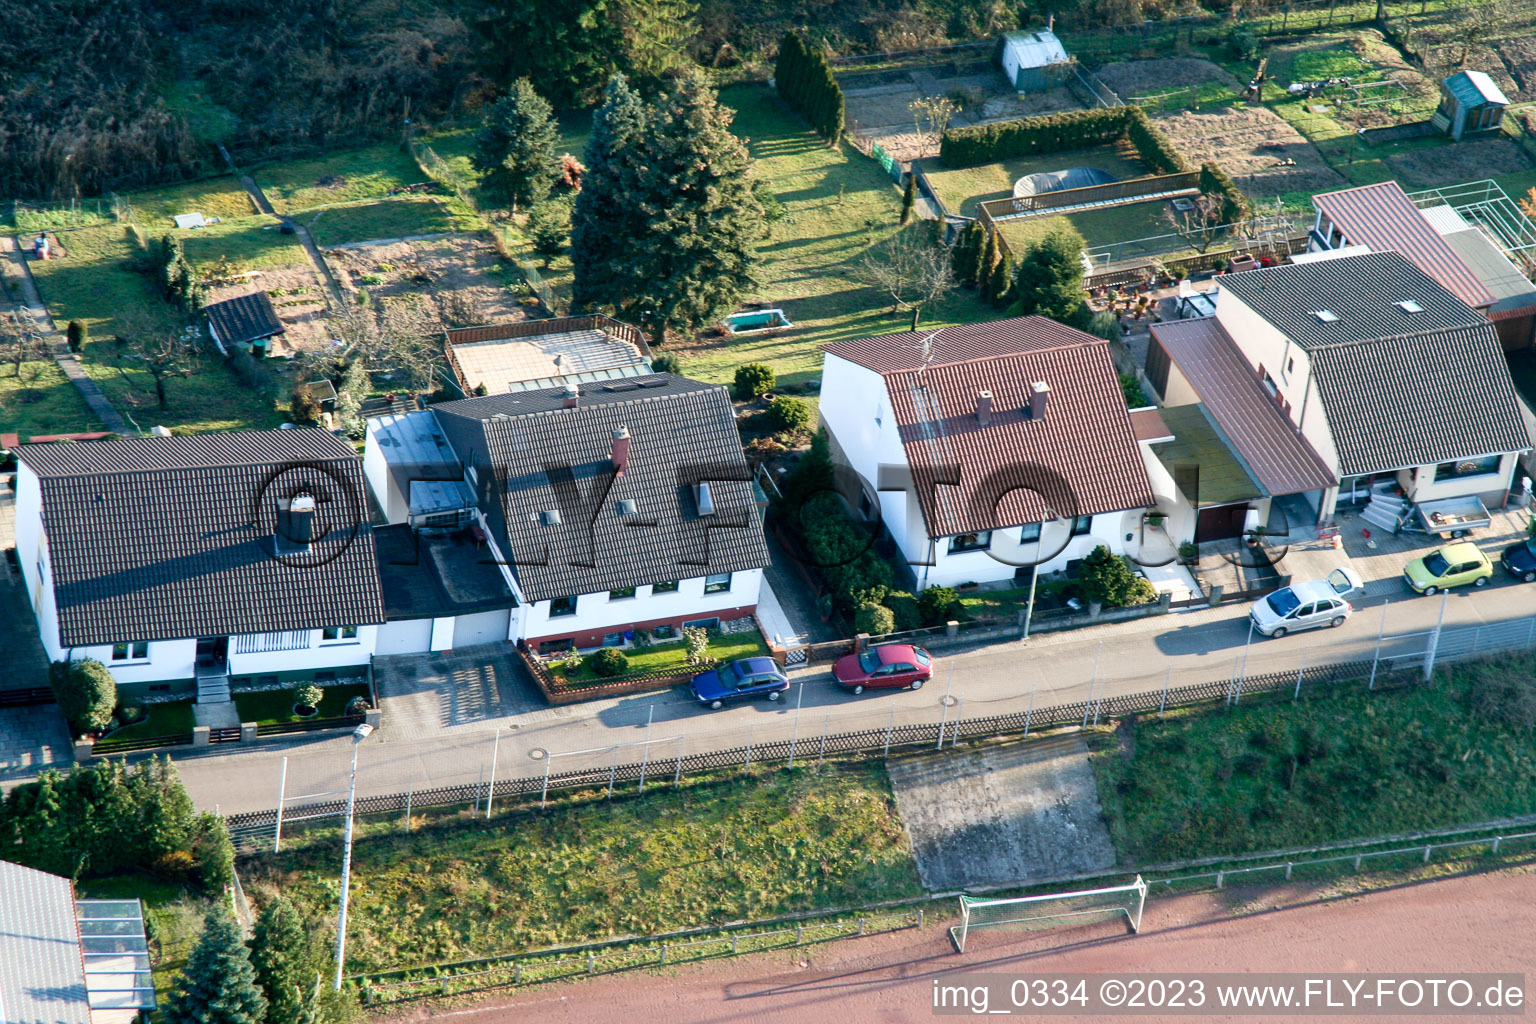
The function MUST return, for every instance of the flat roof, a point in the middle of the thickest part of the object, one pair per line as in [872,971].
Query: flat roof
[1223,477]
[1492,267]
[430,575]
[536,362]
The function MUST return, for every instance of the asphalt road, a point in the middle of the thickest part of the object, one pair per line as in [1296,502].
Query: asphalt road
[1139,656]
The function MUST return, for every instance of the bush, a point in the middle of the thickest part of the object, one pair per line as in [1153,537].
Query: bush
[667,363]
[308,695]
[1077,129]
[904,609]
[302,407]
[607,662]
[1130,387]
[697,640]
[752,381]
[1216,183]
[937,605]
[77,335]
[785,413]
[215,854]
[86,692]
[1109,580]
[1104,325]
[844,552]
[874,619]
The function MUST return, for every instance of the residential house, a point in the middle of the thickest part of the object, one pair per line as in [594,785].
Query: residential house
[69,961]
[174,560]
[607,507]
[530,355]
[1328,377]
[987,449]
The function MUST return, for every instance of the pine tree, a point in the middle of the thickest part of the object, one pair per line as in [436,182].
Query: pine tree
[986,261]
[166,816]
[515,151]
[966,252]
[218,985]
[280,958]
[1049,279]
[1000,285]
[908,198]
[654,32]
[603,215]
[787,68]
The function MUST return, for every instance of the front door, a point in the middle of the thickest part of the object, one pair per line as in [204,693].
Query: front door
[212,650]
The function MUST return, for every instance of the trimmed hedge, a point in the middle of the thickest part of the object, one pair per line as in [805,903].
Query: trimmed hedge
[1216,182]
[1077,129]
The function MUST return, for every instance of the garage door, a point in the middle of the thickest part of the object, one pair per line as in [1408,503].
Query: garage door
[481,628]
[1220,522]
[409,637]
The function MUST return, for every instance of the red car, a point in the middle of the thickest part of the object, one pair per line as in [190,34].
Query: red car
[887,667]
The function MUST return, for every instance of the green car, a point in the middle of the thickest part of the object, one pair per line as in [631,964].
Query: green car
[1454,565]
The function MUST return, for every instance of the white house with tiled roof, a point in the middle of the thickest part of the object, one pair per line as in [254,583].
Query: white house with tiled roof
[986,449]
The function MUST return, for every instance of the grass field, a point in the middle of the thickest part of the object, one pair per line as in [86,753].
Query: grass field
[389,218]
[963,188]
[42,401]
[222,197]
[1328,767]
[251,243]
[342,177]
[710,852]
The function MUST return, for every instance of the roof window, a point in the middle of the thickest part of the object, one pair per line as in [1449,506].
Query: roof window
[1410,306]
[1327,316]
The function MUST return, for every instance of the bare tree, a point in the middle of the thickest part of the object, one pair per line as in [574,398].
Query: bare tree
[1201,225]
[1476,23]
[398,336]
[911,268]
[20,341]
[935,112]
[160,348]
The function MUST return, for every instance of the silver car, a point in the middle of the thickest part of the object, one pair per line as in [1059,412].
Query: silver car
[1307,605]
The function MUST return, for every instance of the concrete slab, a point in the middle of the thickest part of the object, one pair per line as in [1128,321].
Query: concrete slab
[218,715]
[1002,814]
[471,690]
[32,738]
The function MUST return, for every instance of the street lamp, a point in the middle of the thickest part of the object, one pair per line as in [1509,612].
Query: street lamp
[358,735]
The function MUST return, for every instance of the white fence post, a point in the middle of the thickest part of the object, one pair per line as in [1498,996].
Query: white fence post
[1381,631]
[794,736]
[1031,712]
[1091,681]
[490,794]
[645,756]
[822,752]
[889,726]
[751,732]
[1299,673]
[1162,704]
[959,709]
[544,796]
[410,785]
[1434,640]
[282,789]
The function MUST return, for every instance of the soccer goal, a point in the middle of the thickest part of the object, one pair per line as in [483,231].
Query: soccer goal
[1030,912]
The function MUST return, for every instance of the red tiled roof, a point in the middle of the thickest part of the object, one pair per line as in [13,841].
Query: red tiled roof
[1283,462]
[1148,425]
[1080,459]
[1382,217]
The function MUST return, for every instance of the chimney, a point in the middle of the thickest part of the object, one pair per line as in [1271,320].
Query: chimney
[1039,393]
[620,450]
[572,393]
[297,528]
[983,407]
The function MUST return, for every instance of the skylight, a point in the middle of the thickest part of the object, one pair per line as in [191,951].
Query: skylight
[1327,316]
[1410,306]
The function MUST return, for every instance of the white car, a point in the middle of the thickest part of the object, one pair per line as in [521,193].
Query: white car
[1307,605]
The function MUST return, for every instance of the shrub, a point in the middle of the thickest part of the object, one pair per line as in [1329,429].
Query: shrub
[667,363]
[607,662]
[308,695]
[938,605]
[874,619]
[1077,129]
[357,705]
[215,854]
[1217,183]
[1104,325]
[697,640]
[785,413]
[1130,387]
[86,692]
[844,552]
[302,406]
[752,381]
[904,609]
[1188,551]
[77,335]
[481,390]
[1109,580]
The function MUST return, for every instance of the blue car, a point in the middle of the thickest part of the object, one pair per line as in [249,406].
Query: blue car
[740,680]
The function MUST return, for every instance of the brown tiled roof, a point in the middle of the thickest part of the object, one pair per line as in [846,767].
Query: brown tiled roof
[1148,425]
[244,318]
[1382,217]
[1080,459]
[1282,461]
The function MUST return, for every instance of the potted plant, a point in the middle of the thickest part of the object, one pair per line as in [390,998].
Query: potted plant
[306,700]
[1188,552]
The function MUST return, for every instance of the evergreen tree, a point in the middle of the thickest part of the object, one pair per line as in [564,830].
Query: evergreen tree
[1049,279]
[654,32]
[549,227]
[1000,285]
[284,970]
[218,985]
[787,69]
[966,252]
[166,815]
[515,151]
[908,198]
[603,215]
[986,261]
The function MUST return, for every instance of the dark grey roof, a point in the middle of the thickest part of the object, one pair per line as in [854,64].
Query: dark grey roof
[1361,291]
[42,975]
[164,538]
[426,575]
[1419,400]
[531,455]
[244,318]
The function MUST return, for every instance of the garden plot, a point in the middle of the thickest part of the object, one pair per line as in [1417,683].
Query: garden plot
[1151,77]
[1463,161]
[461,279]
[877,103]
[297,296]
[1253,145]
[1446,59]
[1519,59]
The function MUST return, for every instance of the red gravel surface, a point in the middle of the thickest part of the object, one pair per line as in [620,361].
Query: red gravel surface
[1480,923]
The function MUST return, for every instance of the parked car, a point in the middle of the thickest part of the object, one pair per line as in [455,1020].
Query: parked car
[1307,605]
[886,667]
[1519,560]
[739,680]
[1454,565]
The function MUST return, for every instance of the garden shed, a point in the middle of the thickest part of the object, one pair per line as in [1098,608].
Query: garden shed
[244,320]
[1031,59]
[1470,104]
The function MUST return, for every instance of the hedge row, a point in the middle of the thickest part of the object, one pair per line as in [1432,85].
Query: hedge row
[1216,182]
[1077,129]
[804,79]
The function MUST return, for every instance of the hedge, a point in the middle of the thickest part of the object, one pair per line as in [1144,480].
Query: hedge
[1216,182]
[805,80]
[1077,129]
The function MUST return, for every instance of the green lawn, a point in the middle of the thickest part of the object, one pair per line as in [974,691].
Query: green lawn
[91,280]
[174,920]
[707,853]
[962,188]
[222,197]
[1342,764]
[674,656]
[341,177]
[250,243]
[171,718]
[265,707]
[389,218]
[42,401]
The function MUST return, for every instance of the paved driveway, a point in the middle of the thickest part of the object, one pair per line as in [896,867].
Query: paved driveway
[31,739]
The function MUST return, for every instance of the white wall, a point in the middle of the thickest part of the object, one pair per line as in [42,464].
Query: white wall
[319,654]
[380,481]
[1420,483]
[1171,501]
[597,611]
[168,659]
[948,570]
